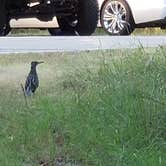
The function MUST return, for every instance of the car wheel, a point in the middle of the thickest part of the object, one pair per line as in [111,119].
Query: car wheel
[84,22]
[4,30]
[4,23]
[116,17]
[67,27]
[87,17]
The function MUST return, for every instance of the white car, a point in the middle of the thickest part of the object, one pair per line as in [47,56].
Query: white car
[117,17]
[120,17]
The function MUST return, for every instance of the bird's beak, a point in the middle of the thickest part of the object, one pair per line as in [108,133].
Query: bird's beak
[40,62]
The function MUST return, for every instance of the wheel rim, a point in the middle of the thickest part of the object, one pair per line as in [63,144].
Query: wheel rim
[114,17]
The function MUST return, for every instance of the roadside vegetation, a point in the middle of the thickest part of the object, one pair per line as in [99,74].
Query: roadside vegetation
[99,31]
[102,108]
[149,31]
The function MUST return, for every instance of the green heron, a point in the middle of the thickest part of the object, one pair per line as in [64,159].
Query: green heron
[32,81]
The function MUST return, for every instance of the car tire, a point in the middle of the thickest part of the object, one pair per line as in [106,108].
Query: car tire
[84,23]
[4,30]
[116,17]
[65,28]
[58,32]
[4,23]
[87,17]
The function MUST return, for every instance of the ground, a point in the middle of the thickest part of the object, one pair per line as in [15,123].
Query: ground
[99,31]
[92,108]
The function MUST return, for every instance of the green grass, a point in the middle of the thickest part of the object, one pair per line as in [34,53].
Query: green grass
[99,31]
[149,31]
[96,108]
[138,31]
[29,32]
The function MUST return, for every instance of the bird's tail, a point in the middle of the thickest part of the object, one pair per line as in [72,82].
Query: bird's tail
[25,97]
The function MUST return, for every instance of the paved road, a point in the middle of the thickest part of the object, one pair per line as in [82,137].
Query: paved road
[74,43]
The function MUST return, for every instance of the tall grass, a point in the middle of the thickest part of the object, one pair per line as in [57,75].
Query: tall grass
[104,108]
[99,31]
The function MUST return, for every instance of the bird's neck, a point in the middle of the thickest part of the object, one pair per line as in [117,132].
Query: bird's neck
[33,70]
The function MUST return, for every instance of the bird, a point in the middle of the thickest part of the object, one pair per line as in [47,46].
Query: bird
[32,81]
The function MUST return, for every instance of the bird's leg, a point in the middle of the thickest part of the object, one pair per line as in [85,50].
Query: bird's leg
[26,102]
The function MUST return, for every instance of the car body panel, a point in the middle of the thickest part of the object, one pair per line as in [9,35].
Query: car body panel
[145,11]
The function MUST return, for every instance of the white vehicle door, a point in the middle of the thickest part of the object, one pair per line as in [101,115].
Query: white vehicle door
[147,10]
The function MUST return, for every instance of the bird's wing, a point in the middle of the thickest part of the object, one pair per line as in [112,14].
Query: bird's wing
[34,83]
[31,84]
[28,85]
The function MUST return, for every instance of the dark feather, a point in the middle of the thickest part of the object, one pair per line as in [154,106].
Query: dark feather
[32,81]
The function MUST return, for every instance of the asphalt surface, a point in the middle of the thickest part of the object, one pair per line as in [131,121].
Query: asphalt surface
[39,44]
